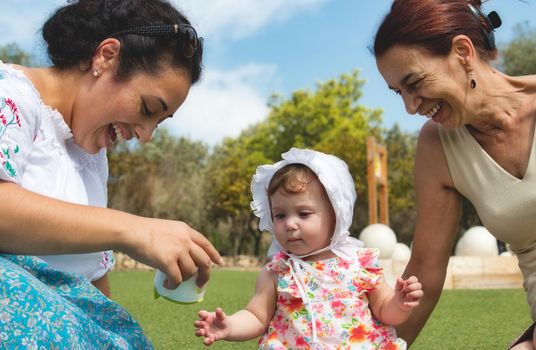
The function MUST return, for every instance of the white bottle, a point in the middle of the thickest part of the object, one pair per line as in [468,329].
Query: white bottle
[186,293]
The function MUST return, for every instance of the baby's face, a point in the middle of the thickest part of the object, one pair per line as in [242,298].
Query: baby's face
[303,222]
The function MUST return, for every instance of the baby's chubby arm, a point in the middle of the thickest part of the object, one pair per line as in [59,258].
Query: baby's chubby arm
[245,324]
[393,307]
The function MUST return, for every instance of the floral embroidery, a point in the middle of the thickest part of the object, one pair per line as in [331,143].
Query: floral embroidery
[107,259]
[9,117]
[340,302]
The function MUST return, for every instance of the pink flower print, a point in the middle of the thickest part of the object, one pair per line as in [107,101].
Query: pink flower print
[3,119]
[334,274]
[300,341]
[368,257]
[343,264]
[318,308]
[294,291]
[319,327]
[339,308]
[373,336]
[280,326]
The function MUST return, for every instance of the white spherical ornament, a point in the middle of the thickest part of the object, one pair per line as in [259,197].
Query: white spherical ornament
[477,241]
[401,253]
[506,253]
[379,236]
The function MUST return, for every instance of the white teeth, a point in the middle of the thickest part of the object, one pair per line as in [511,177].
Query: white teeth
[434,110]
[118,132]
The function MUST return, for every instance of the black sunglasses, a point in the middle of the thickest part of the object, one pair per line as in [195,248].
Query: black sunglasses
[191,45]
[492,21]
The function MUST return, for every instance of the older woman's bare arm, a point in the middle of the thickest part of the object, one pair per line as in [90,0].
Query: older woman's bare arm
[438,212]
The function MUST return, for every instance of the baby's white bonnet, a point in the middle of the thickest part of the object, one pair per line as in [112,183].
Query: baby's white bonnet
[334,175]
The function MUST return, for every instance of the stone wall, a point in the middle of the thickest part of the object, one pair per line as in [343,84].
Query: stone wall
[463,272]
[244,262]
[470,272]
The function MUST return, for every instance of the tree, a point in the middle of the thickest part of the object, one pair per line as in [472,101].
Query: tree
[164,178]
[328,119]
[12,53]
[401,149]
[519,55]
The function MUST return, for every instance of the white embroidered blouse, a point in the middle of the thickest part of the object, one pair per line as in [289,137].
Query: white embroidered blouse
[38,152]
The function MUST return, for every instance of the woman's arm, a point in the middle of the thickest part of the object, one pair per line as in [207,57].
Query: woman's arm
[38,225]
[245,324]
[438,213]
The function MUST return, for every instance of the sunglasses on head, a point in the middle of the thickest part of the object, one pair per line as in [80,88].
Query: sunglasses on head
[492,21]
[190,46]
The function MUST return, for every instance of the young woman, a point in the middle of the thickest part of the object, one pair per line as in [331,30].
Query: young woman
[120,67]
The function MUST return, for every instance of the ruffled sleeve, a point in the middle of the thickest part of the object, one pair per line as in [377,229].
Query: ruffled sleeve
[19,122]
[279,263]
[370,276]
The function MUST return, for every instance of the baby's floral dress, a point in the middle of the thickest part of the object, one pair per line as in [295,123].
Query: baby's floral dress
[338,296]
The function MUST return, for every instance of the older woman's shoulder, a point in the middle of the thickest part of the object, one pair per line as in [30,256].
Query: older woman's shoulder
[526,83]
[429,134]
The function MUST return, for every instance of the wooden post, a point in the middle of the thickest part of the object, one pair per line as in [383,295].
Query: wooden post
[377,177]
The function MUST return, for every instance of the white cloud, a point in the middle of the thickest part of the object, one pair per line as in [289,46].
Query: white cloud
[224,103]
[237,19]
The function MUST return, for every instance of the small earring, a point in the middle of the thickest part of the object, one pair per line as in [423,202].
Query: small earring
[472,83]
[96,73]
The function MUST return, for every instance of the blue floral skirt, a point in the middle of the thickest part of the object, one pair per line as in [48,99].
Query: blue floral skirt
[42,308]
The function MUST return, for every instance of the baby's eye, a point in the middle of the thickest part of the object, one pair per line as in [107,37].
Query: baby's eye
[305,214]
[396,91]
[279,216]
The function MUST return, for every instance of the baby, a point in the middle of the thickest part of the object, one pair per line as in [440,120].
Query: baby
[321,288]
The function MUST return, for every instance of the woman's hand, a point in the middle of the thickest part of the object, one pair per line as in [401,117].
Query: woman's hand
[174,248]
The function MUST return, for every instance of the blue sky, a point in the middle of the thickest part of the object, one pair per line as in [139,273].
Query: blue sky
[257,47]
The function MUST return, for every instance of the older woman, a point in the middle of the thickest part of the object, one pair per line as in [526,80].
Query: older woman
[478,141]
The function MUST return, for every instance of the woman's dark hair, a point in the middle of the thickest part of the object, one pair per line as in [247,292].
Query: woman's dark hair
[432,24]
[74,32]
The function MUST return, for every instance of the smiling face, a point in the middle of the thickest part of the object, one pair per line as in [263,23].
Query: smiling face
[303,221]
[432,86]
[109,109]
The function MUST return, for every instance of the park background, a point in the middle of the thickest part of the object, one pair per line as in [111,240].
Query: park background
[277,74]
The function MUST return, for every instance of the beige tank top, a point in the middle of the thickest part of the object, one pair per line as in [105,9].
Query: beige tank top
[505,204]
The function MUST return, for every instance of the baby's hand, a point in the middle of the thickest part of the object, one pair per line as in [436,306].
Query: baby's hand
[212,326]
[408,292]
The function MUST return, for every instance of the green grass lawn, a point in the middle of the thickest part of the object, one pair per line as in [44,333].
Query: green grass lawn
[463,319]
